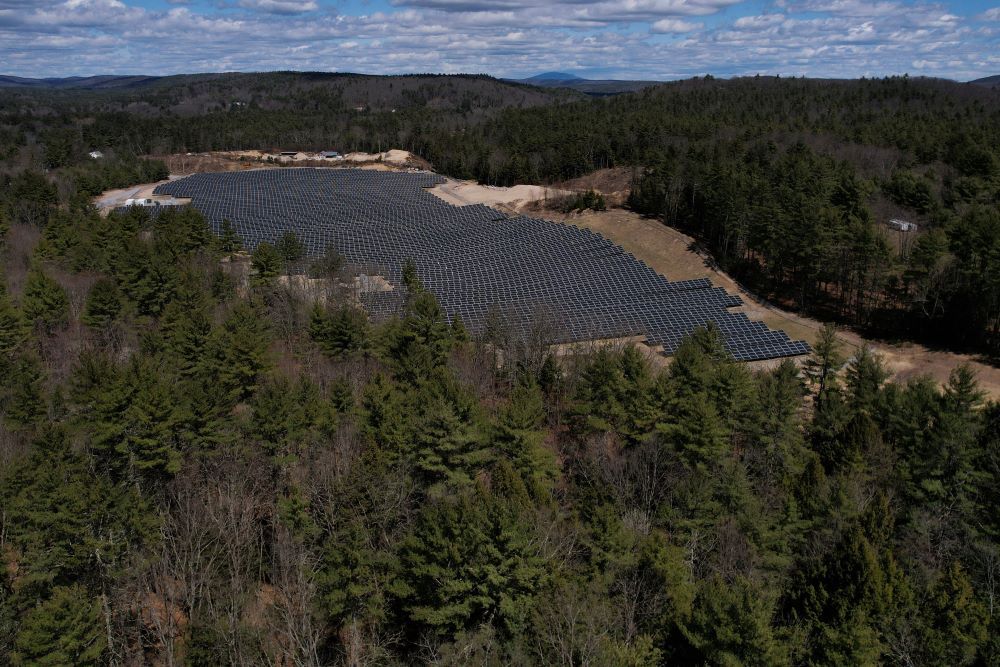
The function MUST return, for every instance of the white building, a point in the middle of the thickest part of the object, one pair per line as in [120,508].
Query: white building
[902,225]
[148,202]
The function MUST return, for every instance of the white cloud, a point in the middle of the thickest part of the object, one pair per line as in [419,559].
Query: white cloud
[280,6]
[758,22]
[849,7]
[602,38]
[674,26]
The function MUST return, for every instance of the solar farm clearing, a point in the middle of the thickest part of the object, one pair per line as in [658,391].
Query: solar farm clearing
[478,262]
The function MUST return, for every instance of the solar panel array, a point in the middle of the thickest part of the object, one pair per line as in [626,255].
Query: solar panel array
[477,261]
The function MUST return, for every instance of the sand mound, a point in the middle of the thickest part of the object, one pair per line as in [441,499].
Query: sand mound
[395,157]
[462,193]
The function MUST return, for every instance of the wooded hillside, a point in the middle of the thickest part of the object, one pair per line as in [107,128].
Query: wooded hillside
[199,465]
[194,473]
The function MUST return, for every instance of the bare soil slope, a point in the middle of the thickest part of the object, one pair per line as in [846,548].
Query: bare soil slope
[614,184]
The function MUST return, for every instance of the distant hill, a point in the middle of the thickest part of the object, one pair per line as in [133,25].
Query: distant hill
[196,94]
[988,81]
[593,87]
[553,77]
[103,82]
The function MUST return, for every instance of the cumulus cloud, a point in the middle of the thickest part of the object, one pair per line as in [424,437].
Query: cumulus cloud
[580,12]
[848,7]
[758,22]
[21,5]
[599,38]
[673,26]
[280,6]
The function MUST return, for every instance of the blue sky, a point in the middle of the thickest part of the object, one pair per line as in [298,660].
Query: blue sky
[643,39]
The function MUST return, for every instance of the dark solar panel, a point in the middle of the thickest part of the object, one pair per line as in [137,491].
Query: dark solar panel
[476,260]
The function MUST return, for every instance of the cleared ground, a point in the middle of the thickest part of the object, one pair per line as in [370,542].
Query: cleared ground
[214,161]
[512,199]
[115,198]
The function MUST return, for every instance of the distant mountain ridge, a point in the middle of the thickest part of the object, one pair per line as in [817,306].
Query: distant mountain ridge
[596,87]
[565,80]
[101,82]
[554,76]
[196,94]
[988,81]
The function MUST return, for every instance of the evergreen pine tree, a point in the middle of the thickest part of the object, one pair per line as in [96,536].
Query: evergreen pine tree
[68,524]
[598,395]
[267,262]
[826,358]
[103,305]
[409,276]
[328,266]
[695,361]
[459,333]
[447,447]
[386,416]
[469,561]
[865,376]
[288,415]
[187,325]
[134,424]
[44,303]
[636,396]
[419,347]
[177,231]
[290,248]
[237,352]
[954,620]
[695,431]
[229,241]
[151,437]
[149,279]
[517,438]
[731,624]
[350,578]
[338,333]
[202,416]
[65,629]
[4,227]
[23,392]
[945,462]
[12,331]
[550,377]
[842,594]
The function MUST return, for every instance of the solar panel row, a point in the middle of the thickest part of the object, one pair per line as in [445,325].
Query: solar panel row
[474,258]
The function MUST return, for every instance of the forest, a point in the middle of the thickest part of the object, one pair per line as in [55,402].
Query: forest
[200,466]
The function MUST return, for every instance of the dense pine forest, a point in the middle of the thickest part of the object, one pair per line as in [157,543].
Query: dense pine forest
[198,469]
[202,465]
